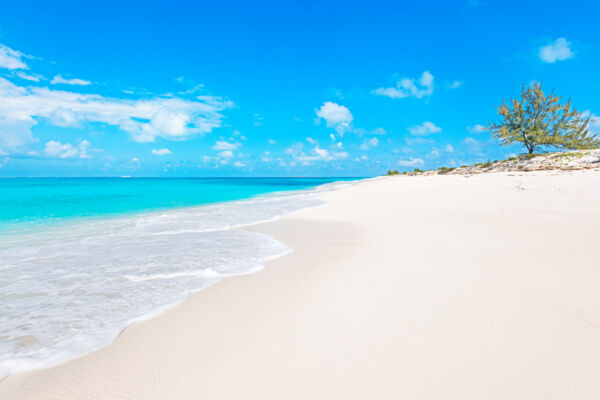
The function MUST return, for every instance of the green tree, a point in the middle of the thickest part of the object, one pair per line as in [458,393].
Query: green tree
[537,120]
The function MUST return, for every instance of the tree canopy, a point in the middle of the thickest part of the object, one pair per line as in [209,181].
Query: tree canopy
[536,120]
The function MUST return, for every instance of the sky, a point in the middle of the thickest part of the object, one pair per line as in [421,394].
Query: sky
[296,88]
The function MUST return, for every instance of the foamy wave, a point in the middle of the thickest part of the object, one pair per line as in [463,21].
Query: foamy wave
[70,289]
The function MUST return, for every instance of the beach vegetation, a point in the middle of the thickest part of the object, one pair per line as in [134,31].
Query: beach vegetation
[538,121]
[570,155]
[445,170]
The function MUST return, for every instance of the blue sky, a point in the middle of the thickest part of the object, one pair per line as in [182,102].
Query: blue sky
[276,88]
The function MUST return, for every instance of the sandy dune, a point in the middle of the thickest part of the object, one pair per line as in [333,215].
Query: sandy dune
[443,287]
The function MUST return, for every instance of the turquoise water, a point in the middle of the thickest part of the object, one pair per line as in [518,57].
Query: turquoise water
[41,200]
[83,258]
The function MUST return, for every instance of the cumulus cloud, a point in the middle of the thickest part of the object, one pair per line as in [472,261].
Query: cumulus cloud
[161,152]
[336,116]
[67,150]
[239,164]
[407,87]
[477,128]
[558,50]
[426,128]
[412,162]
[449,148]
[315,154]
[144,120]
[226,154]
[11,59]
[224,145]
[369,144]
[455,84]
[60,80]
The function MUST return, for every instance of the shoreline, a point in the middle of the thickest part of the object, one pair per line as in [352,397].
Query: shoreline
[27,365]
[362,306]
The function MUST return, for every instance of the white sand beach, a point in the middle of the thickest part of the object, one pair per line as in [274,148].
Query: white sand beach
[430,287]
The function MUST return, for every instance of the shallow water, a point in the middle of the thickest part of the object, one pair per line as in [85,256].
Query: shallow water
[72,284]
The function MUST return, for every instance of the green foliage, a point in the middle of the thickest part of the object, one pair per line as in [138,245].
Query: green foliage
[393,172]
[486,164]
[417,171]
[539,120]
[445,170]
[569,156]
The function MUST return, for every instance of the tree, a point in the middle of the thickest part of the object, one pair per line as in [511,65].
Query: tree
[537,120]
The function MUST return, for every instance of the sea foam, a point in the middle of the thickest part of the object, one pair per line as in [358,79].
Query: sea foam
[69,289]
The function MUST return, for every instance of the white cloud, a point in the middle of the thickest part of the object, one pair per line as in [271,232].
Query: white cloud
[558,50]
[449,148]
[470,141]
[412,162]
[376,131]
[336,116]
[239,164]
[67,150]
[266,157]
[434,153]
[312,141]
[144,120]
[315,154]
[425,128]
[411,141]
[408,87]
[258,119]
[474,146]
[455,84]
[226,154]
[161,152]
[60,80]
[11,59]
[135,160]
[30,77]
[477,128]
[271,141]
[369,144]
[237,133]
[224,145]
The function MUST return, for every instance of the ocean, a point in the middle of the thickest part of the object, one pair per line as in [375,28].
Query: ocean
[83,258]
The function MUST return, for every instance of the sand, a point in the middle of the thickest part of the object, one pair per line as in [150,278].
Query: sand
[444,287]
